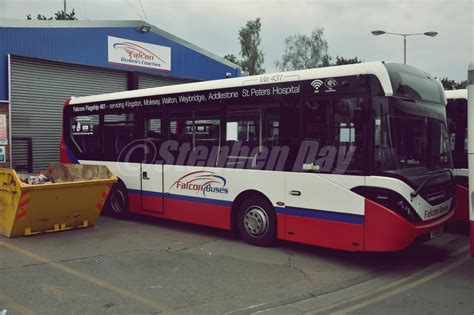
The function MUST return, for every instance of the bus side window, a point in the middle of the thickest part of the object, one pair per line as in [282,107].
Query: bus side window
[316,122]
[153,137]
[316,118]
[207,133]
[198,137]
[347,131]
[153,129]
[119,131]
[242,140]
[85,133]
[334,128]
[271,133]
[461,132]
[181,130]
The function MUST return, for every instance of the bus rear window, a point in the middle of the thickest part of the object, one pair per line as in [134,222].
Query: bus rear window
[85,133]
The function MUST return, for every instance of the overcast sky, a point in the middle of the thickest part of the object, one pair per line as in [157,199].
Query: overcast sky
[214,24]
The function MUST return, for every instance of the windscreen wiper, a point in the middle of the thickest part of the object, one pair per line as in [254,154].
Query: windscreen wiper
[432,175]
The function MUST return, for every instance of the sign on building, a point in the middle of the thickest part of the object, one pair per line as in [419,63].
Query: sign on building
[131,53]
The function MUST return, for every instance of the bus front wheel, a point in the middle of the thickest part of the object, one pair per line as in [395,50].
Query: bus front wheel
[257,221]
[117,203]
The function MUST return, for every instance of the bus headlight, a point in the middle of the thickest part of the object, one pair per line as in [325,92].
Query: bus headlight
[389,199]
[406,210]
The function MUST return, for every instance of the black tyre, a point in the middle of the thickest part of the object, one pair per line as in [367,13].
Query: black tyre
[117,202]
[257,221]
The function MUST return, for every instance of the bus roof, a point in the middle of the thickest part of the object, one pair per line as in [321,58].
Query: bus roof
[455,94]
[376,68]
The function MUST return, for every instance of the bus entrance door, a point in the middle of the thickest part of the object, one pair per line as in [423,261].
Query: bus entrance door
[152,187]
[152,169]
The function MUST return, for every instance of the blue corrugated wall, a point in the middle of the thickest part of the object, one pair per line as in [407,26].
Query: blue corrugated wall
[88,46]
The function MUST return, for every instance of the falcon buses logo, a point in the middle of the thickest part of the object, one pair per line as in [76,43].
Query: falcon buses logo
[202,182]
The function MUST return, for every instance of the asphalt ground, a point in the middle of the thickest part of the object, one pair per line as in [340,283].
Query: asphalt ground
[149,266]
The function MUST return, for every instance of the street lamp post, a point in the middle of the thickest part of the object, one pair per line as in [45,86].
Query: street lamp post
[379,32]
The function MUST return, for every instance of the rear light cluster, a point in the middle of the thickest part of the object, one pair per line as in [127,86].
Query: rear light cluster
[389,199]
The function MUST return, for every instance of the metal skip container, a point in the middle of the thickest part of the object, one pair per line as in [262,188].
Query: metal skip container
[72,198]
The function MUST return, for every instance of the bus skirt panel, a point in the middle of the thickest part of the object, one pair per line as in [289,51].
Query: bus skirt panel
[321,228]
[202,211]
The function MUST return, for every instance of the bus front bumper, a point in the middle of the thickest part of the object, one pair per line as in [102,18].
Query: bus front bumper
[387,231]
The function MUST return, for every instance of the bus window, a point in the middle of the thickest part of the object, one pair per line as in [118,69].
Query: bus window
[153,129]
[243,128]
[271,133]
[335,125]
[199,132]
[316,117]
[207,132]
[242,138]
[119,131]
[153,137]
[347,132]
[85,133]
[201,135]
[456,111]
[451,118]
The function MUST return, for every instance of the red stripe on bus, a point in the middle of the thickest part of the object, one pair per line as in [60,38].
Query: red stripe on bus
[217,216]
[198,213]
[134,203]
[325,233]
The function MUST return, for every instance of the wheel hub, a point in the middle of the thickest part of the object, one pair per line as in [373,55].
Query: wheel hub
[256,221]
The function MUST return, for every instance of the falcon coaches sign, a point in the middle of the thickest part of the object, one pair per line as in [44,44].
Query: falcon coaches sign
[125,52]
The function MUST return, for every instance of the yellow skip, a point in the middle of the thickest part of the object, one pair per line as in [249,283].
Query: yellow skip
[74,200]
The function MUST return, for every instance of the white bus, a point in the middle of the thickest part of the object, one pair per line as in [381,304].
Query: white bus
[470,125]
[352,157]
[456,112]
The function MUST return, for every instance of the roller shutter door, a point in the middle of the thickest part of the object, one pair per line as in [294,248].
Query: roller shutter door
[38,91]
[149,81]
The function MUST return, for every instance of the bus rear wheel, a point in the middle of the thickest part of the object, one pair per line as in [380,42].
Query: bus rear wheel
[257,221]
[117,202]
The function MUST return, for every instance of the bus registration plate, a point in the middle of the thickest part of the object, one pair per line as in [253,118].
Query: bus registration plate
[437,232]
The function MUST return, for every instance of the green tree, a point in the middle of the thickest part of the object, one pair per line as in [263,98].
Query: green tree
[304,52]
[232,58]
[60,15]
[343,61]
[252,56]
[453,85]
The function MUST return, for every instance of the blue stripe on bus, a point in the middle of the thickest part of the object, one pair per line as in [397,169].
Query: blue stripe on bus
[183,198]
[323,215]
[146,193]
[71,156]
[200,199]
[291,211]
